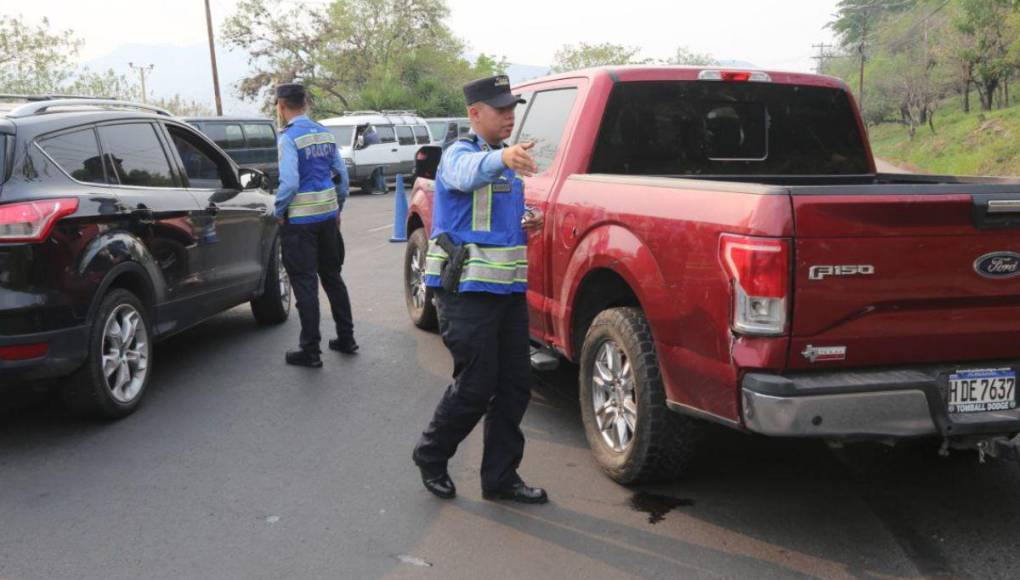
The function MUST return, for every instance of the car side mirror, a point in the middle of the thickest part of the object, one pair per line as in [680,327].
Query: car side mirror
[426,161]
[251,178]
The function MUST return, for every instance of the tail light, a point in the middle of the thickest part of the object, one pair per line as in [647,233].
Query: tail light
[759,269]
[31,221]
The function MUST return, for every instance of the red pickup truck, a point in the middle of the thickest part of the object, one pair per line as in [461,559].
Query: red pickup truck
[718,246]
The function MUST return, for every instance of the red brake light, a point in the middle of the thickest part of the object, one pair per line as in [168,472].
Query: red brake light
[760,266]
[736,76]
[31,221]
[23,351]
[760,271]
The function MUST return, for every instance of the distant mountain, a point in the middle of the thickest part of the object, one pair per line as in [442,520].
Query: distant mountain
[185,70]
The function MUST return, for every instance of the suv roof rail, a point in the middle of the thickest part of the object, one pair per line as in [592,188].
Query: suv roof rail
[367,112]
[36,107]
[400,112]
[44,97]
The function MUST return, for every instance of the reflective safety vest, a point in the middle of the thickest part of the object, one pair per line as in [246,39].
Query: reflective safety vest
[488,222]
[316,197]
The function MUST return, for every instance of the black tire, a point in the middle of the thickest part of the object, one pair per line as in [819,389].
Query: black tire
[423,314]
[662,442]
[88,392]
[273,306]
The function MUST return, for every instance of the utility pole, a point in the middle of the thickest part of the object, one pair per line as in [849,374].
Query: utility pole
[822,55]
[212,57]
[142,71]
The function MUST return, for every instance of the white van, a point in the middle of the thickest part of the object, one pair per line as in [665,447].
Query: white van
[375,143]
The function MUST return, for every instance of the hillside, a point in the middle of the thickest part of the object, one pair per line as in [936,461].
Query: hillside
[963,144]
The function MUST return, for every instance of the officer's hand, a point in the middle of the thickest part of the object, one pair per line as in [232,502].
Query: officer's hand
[338,220]
[281,221]
[518,159]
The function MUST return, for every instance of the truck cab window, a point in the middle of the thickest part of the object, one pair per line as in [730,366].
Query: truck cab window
[546,119]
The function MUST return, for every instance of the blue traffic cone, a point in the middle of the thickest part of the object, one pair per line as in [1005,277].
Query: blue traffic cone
[399,212]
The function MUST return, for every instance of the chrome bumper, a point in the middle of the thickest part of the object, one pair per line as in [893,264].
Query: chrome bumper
[869,404]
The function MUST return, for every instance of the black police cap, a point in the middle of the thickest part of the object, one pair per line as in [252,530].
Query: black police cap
[290,91]
[493,91]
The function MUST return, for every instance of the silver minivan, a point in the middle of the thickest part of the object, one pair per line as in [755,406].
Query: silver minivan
[378,145]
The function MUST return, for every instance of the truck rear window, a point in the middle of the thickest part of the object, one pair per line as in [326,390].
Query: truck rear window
[717,128]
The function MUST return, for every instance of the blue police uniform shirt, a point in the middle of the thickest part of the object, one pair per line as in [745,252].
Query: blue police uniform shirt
[479,202]
[308,169]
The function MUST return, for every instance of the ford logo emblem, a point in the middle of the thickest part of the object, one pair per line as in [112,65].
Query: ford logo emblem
[998,265]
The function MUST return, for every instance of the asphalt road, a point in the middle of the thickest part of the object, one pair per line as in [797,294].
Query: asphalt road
[237,466]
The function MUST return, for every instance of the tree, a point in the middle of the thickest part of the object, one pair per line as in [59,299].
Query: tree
[182,107]
[574,57]
[684,56]
[355,53]
[988,27]
[34,60]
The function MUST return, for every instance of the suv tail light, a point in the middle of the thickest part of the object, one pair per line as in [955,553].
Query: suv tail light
[31,221]
[759,269]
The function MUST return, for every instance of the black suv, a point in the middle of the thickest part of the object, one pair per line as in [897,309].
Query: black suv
[120,225]
[249,141]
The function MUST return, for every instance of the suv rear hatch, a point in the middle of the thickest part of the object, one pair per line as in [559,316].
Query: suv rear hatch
[906,273]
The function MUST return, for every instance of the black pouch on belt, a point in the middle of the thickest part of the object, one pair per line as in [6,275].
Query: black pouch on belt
[449,278]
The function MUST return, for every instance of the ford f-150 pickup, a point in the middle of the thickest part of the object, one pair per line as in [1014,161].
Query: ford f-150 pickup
[718,246]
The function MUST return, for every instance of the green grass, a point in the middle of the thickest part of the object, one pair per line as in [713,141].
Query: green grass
[975,143]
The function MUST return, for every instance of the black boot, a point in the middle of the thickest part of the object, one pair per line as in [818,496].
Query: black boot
[518,492]
[303,358]
[347,346]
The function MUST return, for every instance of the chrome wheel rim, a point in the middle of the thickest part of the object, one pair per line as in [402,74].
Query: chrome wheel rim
[613,397]
[125,361]
[281,275]
[416,279]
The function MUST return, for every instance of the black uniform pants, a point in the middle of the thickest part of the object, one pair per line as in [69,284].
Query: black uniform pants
[312,253]
[487,334]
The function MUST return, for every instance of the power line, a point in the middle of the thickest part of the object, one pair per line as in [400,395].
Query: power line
[822,55]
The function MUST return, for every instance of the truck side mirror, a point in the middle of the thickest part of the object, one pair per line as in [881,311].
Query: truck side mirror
[426,161]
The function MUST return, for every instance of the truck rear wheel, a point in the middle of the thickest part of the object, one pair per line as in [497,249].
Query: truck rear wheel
[633,435]
[419,298]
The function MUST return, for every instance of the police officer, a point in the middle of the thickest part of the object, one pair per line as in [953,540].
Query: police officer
[310,197]
[479,215]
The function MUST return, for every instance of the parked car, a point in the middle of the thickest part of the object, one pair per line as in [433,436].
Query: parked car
[121,225]
[249,141]
[378,145]
[719,247]
[445,130]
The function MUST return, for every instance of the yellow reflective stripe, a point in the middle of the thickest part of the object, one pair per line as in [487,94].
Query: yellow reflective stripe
[314,139]
[313,209]
[481,210]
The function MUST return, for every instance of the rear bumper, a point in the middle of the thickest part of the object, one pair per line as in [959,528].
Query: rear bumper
[66,352]
[895,403]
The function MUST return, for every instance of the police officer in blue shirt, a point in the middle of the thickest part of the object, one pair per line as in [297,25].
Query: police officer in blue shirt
[479,234]
[313,188]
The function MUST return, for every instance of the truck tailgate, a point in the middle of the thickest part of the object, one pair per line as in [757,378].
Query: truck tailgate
[904,279]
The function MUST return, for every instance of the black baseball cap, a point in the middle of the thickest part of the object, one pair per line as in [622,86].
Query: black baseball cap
[290,91]
[493,91]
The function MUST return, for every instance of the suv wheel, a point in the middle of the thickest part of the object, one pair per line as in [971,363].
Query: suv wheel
[419,298]
[633,435]
[273,306]
[113,379]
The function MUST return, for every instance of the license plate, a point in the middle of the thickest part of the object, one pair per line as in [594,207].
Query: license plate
[977,391]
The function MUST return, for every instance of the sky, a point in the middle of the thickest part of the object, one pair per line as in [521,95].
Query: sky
[772,34]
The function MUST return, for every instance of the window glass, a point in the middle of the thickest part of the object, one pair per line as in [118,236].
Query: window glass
[77,153]
[343,135]
[404,135]
[421,134]
[386,133]
[136,155]
[437,129]
[547,117]
[226,135]
[716,128]
[260,135]
[202,170]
